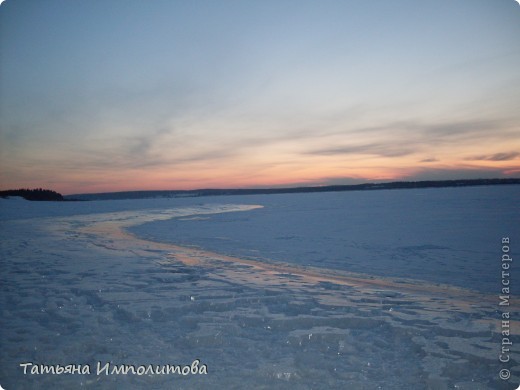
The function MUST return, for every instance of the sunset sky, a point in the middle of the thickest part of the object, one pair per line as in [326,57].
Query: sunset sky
[113,95]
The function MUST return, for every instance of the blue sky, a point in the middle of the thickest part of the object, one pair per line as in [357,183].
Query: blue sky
[127,95]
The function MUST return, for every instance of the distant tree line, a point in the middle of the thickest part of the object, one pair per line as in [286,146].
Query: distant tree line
[35,194]
[259,191]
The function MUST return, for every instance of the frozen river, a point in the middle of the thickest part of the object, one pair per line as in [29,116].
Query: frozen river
[358,290]
[440,235]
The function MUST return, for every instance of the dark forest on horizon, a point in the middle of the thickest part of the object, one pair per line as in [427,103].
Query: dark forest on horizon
[49,195]
[34,194]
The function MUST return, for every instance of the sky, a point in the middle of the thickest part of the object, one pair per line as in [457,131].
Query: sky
[119,95]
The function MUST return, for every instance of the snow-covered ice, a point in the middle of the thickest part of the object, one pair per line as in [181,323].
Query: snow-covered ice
[357,290]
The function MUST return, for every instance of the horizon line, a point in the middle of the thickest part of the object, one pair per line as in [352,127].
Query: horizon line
[489,181]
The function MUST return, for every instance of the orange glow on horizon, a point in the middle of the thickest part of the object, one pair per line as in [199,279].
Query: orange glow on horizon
[158,182]
[263,171]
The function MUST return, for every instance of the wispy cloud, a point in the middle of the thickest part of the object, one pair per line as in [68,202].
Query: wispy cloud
[398,139]
[506,156]
[377,149]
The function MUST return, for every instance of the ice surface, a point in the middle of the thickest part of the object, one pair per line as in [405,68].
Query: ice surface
[440,235]
[230,284]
